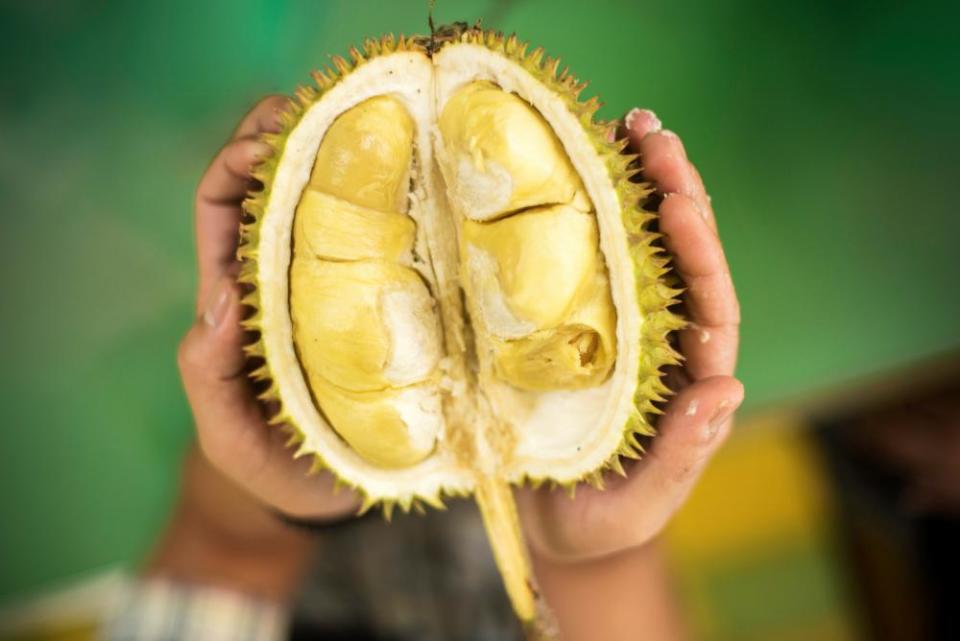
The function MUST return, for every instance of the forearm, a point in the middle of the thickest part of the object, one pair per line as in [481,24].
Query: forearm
[627,597]
[219,536]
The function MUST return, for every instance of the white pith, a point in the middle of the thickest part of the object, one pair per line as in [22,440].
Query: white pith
[420,410]
[560,435]
[483,193]
[493,311]
[411,324]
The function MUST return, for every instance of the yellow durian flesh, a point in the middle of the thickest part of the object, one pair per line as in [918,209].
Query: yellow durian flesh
[330,228]
[389,428]
[365,156]
[527,271]
[501,155]
[365,325]
[536,279]
[578,354]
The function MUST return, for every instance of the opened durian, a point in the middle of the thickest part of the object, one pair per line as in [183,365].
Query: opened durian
[453,283]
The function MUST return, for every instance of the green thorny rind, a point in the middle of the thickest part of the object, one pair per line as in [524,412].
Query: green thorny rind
[655,294]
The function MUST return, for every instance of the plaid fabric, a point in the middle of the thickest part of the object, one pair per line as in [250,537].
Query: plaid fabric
[418,578]
[160,610]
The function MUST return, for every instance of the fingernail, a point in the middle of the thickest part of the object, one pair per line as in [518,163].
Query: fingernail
[720,416]
[636,115]
[218,304]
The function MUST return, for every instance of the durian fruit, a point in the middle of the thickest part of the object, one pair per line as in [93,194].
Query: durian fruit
[453,283]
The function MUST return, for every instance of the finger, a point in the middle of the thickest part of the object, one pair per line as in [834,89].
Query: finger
[211,362]
[694,425]
[263,117]
[230,424]
[638,123]
[227,179]
[219,194]
[632,510]
[665,163]
[229,421]
[710,343]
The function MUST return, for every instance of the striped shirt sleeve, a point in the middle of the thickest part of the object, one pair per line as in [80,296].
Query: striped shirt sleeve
[164,610]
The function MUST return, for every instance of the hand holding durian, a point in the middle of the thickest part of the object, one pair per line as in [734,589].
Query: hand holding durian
[454,288]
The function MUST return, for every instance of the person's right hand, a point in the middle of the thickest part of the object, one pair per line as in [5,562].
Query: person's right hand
[231,423]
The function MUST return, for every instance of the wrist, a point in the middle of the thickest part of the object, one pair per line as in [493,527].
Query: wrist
[549,559]
[599,597]
[220,536]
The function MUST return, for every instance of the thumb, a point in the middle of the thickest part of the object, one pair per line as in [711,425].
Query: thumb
[211,362]
[694,425]
[212,352]
[696,421]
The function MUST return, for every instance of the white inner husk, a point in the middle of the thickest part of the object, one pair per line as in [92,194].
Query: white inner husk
[561,435]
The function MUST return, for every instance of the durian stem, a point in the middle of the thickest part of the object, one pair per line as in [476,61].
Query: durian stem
[500,518]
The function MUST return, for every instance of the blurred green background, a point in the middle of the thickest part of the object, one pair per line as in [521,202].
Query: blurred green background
[826,132]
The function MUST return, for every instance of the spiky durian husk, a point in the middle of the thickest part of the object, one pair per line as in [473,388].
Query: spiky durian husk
[650,263]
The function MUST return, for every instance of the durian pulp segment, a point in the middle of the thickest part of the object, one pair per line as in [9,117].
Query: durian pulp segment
[331,228]
[501,155]
[365,326]
[534,278]
[567,391]
[540,296]
[366,155]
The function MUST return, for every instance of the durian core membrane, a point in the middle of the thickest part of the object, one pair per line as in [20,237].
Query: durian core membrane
[450,308]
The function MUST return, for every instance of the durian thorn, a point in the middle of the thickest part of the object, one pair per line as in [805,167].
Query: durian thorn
[500,518]
[322,80]
[535,58]
[342,66]
[272,393]
[293,438]
[387,507]
[365,505]
[552,67]
[277,419]
[617,466]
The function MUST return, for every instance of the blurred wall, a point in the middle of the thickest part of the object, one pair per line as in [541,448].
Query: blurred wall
[826,133]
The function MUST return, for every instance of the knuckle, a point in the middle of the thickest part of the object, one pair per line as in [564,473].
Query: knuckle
[188,357]
[272,100]
[211,448]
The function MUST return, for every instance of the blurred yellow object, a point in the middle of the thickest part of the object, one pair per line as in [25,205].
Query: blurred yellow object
[751,547]
[764,490]
[75,633]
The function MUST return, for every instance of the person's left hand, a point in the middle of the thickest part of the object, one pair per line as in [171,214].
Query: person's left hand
[632,510]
